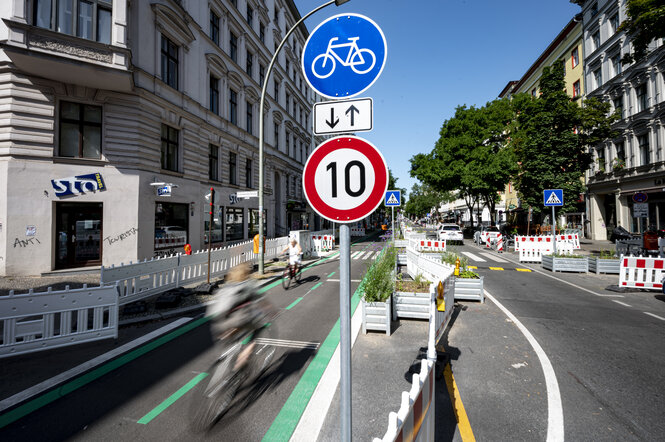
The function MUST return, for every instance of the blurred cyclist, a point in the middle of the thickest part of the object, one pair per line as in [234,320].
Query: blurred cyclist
[295,254]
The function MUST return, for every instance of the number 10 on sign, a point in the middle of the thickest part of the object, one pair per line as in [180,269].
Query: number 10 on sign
[345,179]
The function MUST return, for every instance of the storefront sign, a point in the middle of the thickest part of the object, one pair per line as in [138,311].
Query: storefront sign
[164,190]
[233,198]
[79,184]
[641,210]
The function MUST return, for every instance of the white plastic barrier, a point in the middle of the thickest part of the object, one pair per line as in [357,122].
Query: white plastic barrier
[427,245]
[532,251]
[642,273]
[574,239]
[37,321]
[355,231]
[322,244]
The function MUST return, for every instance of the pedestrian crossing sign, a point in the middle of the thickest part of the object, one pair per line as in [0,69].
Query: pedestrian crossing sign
[553,197]
[393,198]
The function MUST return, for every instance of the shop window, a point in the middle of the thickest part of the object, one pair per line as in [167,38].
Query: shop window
[234,223]
[80,130]
[253,226]
[217,231]
[171,224]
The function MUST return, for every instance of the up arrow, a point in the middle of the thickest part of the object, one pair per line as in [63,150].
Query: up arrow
[332,123]
[354,110]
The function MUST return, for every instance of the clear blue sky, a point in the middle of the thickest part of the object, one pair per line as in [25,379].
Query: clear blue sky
[442,54]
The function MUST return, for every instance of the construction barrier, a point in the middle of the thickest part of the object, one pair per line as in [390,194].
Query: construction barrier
[37,321]
[322,244]
[431,245]
[532,251]
[356,231]
[642,273]
[574,239]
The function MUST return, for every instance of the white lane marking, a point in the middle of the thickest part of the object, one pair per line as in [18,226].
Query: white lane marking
[87,366]
[366,255]
[565,282]
[554,407]
[311,421]
[492,257]
[622,303]
[287,343]
[473,257]
[655,316]
[356,254]
[372,255]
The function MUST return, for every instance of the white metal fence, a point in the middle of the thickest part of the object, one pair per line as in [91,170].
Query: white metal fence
[35,321]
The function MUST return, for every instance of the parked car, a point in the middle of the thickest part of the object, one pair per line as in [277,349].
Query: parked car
[484,233]
[450,232]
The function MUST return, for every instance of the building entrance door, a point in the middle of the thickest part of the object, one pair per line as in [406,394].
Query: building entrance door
[78,234]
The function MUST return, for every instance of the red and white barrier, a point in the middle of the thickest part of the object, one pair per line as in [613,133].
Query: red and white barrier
[574,239]
[355,231]
[642,273]
[415,419]
[431,245]
[533,248]
[322,244]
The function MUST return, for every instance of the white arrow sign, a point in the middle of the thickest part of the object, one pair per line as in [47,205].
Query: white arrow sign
[337,117]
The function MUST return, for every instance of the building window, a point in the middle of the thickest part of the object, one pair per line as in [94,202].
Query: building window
[643,143]
[214,27]
[288,143]
[248,173]
[262,74]
[616,64]
[288,100]
[80,130]
[575,57]
[577,90]
[169,62]
[250,16]
[641,92]
[533,92]
[262,33]
[234,3]
[276,16]
[595,38]
[253,226]
[276,136]
[249,64]
[233,107]
[276,91]
[618,105]
[597,78]
[213,162]
[288,68]
[234,223]
[621,153]
[249,118]
[601,159]
[214,95]
[89,19]
[216,231]
[233,173]
[614,23]
[169,148]
[233,44]
[594,9]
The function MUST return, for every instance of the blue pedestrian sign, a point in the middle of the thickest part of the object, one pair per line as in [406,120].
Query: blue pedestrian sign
[553,197]
[393,198]
[344,56]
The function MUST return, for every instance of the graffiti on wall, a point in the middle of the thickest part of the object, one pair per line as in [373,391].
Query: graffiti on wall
[21,243]
[121,237]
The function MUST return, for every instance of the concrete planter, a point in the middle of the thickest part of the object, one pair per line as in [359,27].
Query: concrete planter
[579,265]
[469,289]
[598,265]
[411,305]
[377,316]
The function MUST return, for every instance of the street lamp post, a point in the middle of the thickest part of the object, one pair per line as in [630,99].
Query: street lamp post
[263,97]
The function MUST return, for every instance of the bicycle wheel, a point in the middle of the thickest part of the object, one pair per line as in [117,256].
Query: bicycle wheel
[286,277]
[360,62]
[298,275]
[216,397]
[323,65]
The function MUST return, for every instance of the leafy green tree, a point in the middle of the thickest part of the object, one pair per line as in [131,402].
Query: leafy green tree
[645,23]
[470,156]
[550,140]
[423,199]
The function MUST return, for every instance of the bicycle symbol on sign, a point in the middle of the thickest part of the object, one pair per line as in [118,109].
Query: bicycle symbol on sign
[324,65]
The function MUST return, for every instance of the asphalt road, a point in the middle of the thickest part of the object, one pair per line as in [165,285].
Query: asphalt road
[607,354]
[111,407]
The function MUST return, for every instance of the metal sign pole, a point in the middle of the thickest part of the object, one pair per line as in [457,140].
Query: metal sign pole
[345,328]
[553,230]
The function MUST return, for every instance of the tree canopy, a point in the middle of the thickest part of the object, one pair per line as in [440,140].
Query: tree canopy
[422,199]
[645,23]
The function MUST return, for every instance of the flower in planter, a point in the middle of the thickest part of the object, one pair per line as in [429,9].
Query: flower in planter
[378,283]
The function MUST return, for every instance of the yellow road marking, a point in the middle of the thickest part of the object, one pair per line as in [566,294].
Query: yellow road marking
[472,267]
[523,270]
[496,268]
[460,413]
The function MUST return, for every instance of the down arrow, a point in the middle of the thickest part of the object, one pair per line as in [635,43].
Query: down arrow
[332,123]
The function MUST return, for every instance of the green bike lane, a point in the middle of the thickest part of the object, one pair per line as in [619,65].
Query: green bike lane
[151,396]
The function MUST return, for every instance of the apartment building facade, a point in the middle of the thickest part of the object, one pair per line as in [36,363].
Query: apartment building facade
[633,163]
[118,117]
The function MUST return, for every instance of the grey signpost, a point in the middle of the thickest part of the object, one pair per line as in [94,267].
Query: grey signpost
[553,198]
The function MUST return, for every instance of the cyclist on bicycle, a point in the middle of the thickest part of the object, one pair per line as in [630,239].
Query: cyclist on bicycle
[295,254]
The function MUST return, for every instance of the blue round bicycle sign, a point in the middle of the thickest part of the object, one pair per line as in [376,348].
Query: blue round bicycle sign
[344,56]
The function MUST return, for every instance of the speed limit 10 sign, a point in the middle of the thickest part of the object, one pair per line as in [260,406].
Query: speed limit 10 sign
[345,179]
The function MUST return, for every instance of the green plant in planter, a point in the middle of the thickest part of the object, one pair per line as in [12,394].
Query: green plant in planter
[567,255]
[451,257]
[378,283]
[418,285]
[468,274]
[608,254]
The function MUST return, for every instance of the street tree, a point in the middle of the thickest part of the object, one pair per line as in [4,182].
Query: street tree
[422,199]
[645,23]
[551,138]
[471,156]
